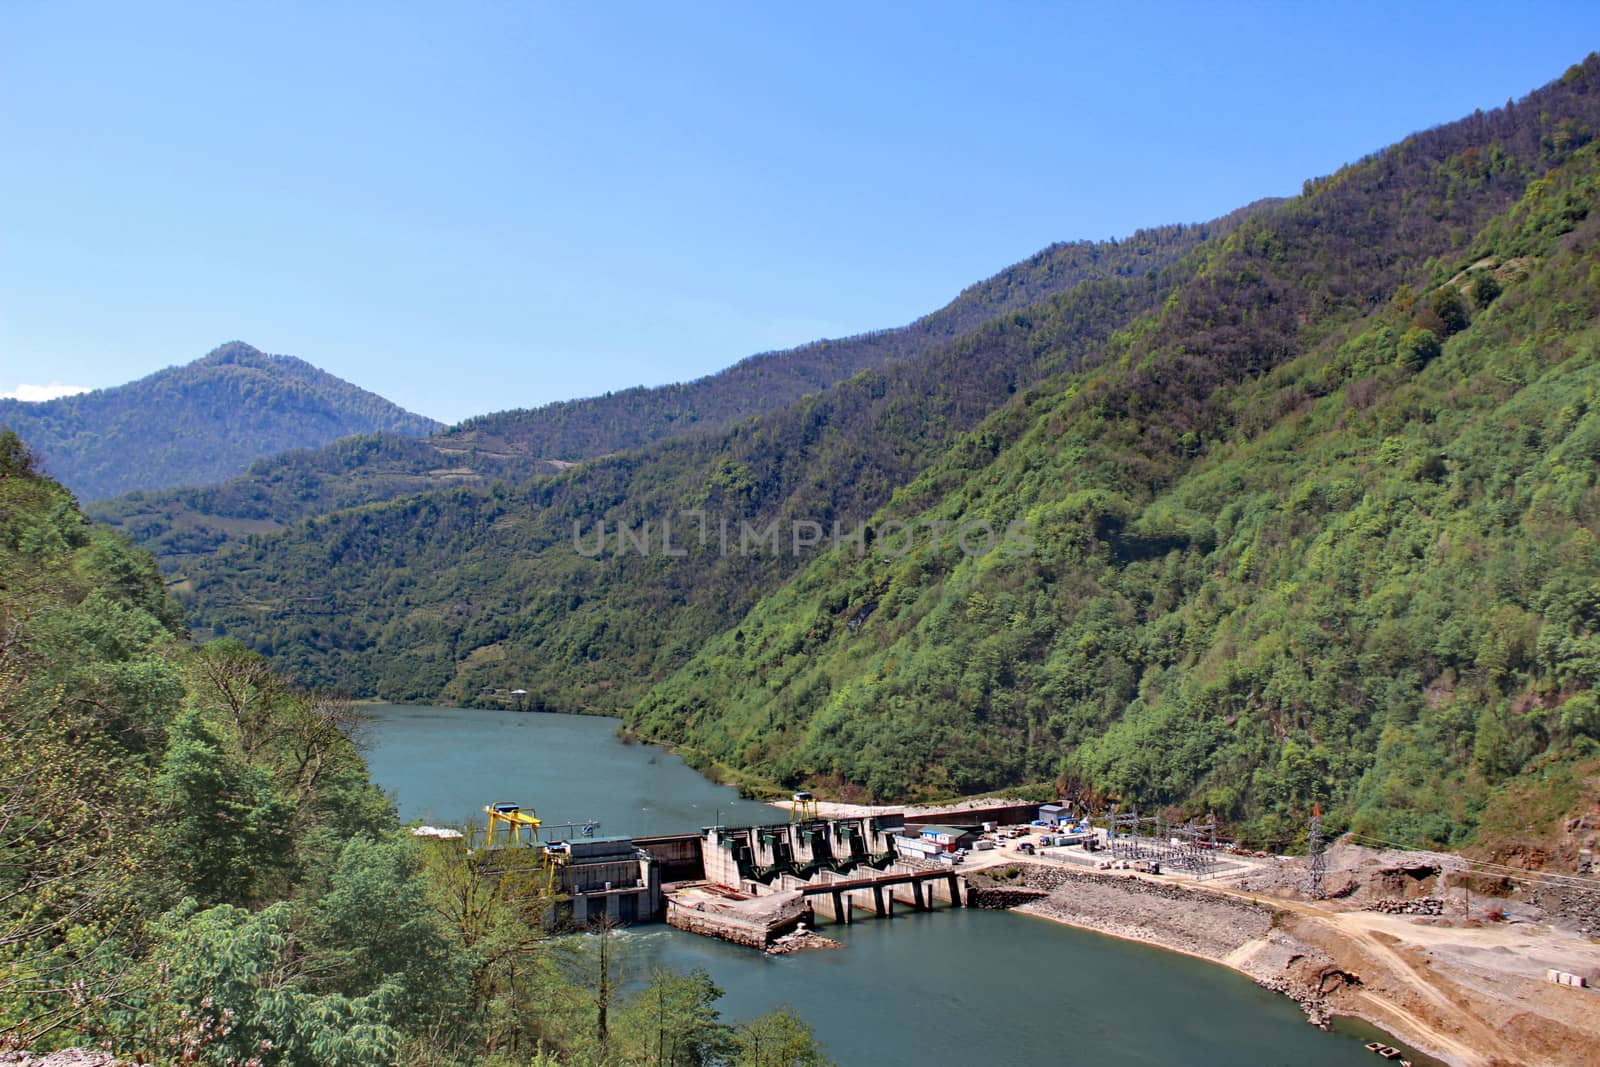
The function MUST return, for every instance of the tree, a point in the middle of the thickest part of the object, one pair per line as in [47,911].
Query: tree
[225,826]
[780,1038]
[1484,289]
[374,928]
[673,1022]
[234,992]
[1416,349]
[591,964]
[1450,308]
[15,459]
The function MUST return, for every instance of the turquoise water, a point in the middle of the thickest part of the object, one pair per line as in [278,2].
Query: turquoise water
[936,989]
[445,764]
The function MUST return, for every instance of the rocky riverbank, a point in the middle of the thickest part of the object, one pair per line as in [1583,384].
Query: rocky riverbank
[1172,916]
[1233,932]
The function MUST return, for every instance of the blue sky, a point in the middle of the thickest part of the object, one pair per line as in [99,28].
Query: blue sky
[480,206]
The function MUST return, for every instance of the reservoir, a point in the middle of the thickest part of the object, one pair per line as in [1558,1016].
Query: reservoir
[938,989]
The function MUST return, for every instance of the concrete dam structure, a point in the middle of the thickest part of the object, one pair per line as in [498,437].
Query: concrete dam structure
[760,882]
[748,884]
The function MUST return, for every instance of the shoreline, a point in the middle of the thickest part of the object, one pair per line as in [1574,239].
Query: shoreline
[1234,963]
[1457,993]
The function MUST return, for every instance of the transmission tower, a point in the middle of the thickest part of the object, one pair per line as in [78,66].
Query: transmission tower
[1316,858]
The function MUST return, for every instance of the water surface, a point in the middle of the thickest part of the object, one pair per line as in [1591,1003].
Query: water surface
[445,764]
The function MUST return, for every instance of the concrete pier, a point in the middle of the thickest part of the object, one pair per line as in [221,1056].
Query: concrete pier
[713,911]
[836,899]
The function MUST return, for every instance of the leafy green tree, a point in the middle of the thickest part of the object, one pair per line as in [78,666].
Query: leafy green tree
[15,459]
[225,827]
[1451,310]
[1484,289]
[373,929]
[231,978]
[1579,717]
[1418,347]
[780,1038]
[673,1022]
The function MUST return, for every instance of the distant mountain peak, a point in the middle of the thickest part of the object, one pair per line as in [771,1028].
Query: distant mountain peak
[236,352]
[199,422]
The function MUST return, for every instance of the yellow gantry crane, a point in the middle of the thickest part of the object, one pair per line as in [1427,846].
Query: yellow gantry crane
[802,806]
[515,820]
[518,822]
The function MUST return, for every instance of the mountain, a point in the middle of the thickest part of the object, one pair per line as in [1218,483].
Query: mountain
[514,445]
[200,422]
[447,593]
[1309,517]
[632,418]
[1321,530]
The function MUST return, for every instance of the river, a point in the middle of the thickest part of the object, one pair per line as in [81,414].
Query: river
[943,988]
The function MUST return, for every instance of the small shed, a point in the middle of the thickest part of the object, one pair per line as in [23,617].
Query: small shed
[1052,814]
[949,838]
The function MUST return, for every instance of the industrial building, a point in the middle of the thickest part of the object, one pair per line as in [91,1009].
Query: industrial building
[607,879]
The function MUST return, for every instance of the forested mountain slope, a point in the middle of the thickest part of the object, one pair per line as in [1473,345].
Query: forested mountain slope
[201,422]
[582,429]
[1323,529]
[440,595]
[516,445]
[178,524]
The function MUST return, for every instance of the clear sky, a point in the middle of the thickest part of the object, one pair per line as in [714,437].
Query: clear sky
[469,207]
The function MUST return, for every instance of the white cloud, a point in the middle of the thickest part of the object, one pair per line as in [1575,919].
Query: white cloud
[34,393]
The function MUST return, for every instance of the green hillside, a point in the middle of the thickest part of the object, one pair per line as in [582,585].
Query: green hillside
[201,422]
[447,593]
[633,418]
[178,524]
[1287,550]
[175,827]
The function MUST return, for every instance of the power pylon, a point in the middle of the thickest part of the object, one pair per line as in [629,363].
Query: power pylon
[1316,857]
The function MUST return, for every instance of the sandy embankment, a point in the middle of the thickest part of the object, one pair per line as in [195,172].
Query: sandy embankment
[1466,993]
